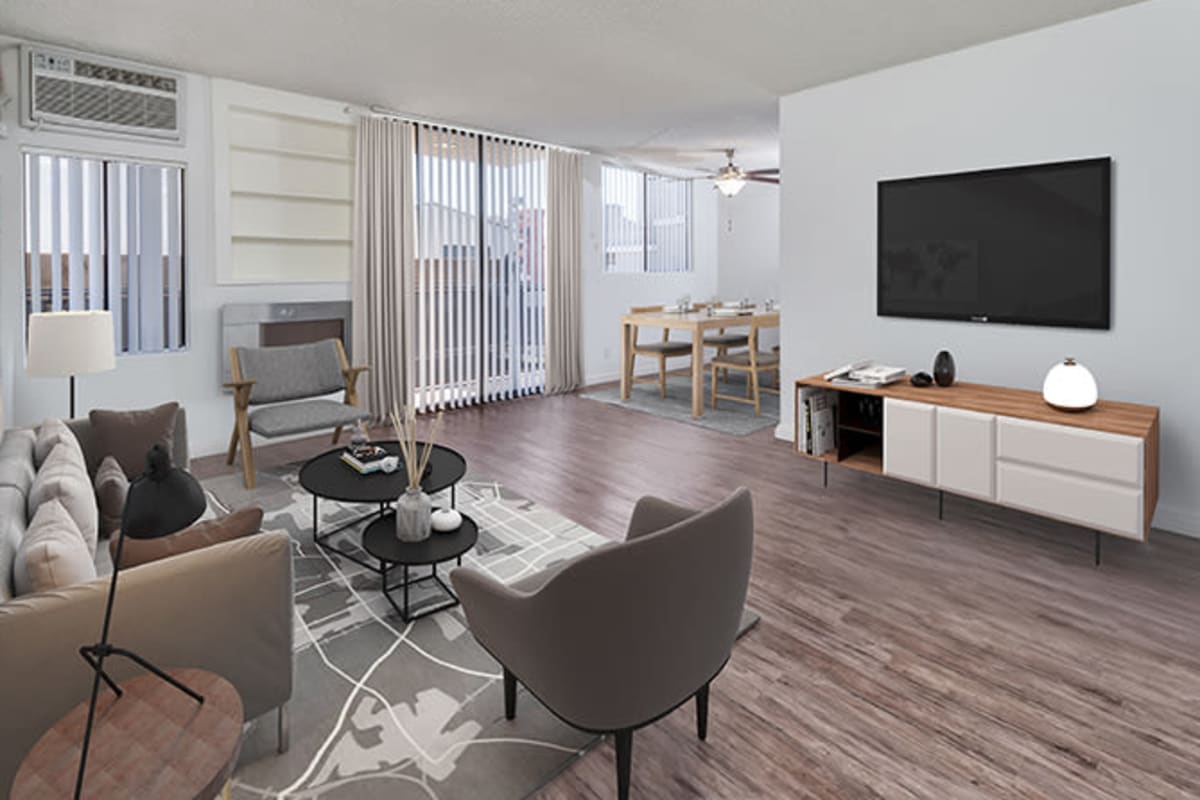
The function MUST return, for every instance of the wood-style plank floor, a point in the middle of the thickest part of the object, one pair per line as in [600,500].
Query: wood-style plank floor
[898,656]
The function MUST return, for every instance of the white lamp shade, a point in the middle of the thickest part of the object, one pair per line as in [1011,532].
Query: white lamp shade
[70,343]
[729,186]
[1070,386]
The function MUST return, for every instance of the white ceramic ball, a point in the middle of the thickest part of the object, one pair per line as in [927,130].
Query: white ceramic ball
[1070,386]
[445,520]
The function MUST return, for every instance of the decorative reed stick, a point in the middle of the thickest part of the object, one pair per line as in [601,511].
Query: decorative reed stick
[404,422]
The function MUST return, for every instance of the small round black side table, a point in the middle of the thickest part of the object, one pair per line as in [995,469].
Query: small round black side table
[328,477]
[379,539]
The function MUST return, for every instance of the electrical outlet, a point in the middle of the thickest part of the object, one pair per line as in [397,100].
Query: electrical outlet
[729,225]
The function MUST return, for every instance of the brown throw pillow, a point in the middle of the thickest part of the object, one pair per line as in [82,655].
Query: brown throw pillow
[52,554]
[64,477]
[128,435]
[50,433]
[242,522]
[111,489]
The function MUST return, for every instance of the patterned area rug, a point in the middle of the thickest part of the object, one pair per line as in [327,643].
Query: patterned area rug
[736,419]
[384,709]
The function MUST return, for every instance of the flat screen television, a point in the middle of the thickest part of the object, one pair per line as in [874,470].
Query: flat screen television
[1028,245]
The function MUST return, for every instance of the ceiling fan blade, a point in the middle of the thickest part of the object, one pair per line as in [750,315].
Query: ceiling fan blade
[762,179]
[770,171]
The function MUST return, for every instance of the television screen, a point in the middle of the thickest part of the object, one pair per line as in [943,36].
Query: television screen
[1026,245]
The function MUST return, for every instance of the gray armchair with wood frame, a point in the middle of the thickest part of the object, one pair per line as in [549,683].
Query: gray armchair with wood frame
[753,362]
[289,382]
[662,350]
[621,636]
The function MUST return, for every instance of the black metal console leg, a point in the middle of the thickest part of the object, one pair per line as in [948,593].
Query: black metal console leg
[510,695]
[624,742]
[1098,535]
[702,713]
[825,475]
[941,502]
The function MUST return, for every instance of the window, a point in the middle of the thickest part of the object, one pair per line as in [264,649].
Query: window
[480,270]
[107,235]
[647,221]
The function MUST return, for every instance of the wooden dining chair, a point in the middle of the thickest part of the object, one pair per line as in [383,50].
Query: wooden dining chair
[753,362]
[662,350]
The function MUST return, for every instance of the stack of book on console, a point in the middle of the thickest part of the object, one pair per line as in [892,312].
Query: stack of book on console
[869,377]
[365,458]
[818,420]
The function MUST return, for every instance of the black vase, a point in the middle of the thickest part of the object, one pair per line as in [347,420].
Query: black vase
[943,368]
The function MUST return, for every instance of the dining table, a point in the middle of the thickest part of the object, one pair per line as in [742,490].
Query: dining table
[696,322]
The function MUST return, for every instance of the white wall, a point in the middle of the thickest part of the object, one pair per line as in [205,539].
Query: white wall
[607,295]
[748,243]
[192,376]
[1122,84]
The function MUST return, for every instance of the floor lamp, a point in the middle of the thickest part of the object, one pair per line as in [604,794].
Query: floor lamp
[70,343]
[165,499]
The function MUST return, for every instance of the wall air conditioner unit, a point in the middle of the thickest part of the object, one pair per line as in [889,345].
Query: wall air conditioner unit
[75,92]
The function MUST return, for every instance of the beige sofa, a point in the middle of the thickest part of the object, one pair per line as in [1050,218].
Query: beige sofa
[225,608]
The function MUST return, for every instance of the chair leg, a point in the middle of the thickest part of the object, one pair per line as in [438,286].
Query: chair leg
[247,451]
[233,443]
[662,376]
[624,743]
[702,712]
[754,382]
[282,730]
[337,434]
[510,695]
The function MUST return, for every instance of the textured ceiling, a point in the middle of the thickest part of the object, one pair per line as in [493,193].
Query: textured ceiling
[657,81]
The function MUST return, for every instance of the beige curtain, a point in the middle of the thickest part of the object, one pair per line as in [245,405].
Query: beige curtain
[564,249]
[382,265]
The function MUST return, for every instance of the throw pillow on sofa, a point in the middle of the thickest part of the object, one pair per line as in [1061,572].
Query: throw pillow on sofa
[52,554]
[128,435]
[112,487]
[235,525]
[50,433]
[64,477]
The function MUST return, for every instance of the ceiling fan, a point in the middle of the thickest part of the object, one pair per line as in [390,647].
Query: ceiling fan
[730,178]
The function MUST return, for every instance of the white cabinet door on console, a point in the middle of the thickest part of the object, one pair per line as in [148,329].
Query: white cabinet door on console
[908,440]
[966,452]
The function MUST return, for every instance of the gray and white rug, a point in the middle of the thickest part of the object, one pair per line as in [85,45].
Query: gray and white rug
[387,709]
[730,417]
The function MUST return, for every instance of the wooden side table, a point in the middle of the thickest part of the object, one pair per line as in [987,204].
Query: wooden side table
[154,741]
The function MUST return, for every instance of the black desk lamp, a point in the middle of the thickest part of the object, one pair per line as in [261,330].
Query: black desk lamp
[163,500]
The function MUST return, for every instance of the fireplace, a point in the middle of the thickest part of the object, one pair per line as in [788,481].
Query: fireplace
[273,324]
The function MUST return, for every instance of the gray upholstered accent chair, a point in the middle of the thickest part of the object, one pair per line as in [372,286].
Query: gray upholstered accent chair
[621,636]
[290,382]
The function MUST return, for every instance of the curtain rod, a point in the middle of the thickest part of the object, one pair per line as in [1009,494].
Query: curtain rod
[381,111]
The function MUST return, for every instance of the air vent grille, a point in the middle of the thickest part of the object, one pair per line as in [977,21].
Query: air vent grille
[67,91]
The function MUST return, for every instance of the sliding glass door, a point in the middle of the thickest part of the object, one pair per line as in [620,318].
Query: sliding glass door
[480,268]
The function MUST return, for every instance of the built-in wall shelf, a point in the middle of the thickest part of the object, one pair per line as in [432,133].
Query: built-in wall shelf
[291,239]
[1096,468]
[284,152]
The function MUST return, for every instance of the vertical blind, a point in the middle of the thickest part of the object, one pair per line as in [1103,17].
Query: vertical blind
[480,272]
[103,234]
[647,221]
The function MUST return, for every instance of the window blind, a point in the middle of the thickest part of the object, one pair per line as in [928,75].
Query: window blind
[480,268]
[647,221]
[103,234]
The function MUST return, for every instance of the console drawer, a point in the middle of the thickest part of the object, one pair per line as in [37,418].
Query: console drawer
[1107,456]
[1095,504]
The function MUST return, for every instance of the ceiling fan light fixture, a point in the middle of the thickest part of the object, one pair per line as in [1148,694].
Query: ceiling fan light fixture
[729,185]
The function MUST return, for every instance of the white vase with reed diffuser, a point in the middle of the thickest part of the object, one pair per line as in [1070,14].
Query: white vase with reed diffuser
[414,508]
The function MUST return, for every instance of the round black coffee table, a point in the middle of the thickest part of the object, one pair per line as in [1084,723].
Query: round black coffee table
[379,539]
[328,477]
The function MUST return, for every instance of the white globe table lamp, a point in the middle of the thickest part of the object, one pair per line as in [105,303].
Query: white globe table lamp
[1069,386]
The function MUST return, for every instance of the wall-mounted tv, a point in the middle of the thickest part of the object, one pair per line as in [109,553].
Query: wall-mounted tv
[1028,245]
